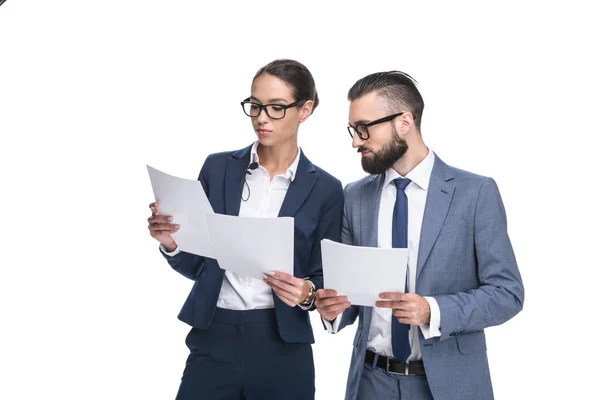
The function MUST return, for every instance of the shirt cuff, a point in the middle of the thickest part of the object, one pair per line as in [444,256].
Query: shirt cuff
[306,307]
[333,327]
[433,328]
[171,254]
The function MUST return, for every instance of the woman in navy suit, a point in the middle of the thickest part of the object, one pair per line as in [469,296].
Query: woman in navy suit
[250,338]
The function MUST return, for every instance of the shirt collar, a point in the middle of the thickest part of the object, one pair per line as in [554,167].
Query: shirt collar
[291,171]
[419,175]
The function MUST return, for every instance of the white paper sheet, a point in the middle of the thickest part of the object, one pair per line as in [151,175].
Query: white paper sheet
[253,246]
[186,202]
[362,273]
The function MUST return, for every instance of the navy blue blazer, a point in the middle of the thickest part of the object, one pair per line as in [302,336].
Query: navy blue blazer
[314,198]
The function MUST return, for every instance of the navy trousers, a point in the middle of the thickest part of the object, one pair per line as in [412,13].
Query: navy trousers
[242,356]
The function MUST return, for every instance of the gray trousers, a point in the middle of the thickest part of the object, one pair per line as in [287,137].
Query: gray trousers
[378,384]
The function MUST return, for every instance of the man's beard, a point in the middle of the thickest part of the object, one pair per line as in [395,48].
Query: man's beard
[385,158]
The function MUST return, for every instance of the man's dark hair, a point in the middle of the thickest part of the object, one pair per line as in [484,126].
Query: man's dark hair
[398,89]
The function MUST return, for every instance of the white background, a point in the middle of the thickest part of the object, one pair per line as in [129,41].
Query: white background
[91,91]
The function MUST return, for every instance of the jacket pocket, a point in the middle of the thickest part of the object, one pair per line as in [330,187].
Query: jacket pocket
[471,343]
[452,228]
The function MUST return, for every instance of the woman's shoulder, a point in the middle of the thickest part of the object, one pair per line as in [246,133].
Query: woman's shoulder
[223,156]
[326,175]
[326,178]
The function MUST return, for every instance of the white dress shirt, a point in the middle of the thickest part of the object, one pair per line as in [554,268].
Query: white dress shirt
[380,332]
[265,199]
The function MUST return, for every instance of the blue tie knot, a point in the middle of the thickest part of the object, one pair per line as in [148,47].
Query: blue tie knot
[401,183]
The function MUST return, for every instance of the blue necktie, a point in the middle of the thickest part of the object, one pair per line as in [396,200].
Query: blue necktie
[400,343]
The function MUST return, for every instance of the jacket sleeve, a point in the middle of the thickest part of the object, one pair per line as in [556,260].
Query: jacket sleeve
[328,228]
[500,294]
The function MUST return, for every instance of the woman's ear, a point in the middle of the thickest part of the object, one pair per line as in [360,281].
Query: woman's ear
[306,110]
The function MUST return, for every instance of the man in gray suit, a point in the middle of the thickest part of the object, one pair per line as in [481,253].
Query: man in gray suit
[462,276]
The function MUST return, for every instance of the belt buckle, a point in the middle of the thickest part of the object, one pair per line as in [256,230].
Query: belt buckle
[387,368]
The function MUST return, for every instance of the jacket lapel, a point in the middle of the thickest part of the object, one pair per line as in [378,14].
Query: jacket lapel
[370,198]
[439,197]
[235,169]
[298,191]
[299,188]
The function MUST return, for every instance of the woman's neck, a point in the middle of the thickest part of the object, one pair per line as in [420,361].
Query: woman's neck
[277,159]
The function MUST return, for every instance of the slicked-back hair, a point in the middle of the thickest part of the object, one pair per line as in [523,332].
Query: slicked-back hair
[398,90]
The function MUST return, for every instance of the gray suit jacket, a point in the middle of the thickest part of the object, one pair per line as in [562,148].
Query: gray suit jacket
[465,262]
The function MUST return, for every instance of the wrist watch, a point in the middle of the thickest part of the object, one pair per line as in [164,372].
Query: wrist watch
[311,294]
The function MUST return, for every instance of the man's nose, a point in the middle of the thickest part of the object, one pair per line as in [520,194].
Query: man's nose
[357,140]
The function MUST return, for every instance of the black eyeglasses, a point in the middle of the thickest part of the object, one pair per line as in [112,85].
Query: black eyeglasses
[362,129]
[274,111]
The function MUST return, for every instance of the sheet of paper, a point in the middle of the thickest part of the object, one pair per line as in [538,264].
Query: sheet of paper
[186,202]
[252,246]
[362,273]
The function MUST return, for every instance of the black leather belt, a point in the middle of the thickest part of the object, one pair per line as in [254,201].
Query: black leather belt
[394,366]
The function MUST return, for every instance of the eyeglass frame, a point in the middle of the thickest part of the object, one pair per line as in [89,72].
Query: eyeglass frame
[261,107]
[352,129]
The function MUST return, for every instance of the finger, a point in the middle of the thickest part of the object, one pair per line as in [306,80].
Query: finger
[324,293]
[396,305]
[407,321]
[284,294]
[403,314]
[295,297]
[154,208]
[158,234]
[160,219]
[163,232]
[330,301]
[163,227]
[392,295]
[274,283]
[283,276]
[290,286]
[285,297]
[387,304]
[336,309]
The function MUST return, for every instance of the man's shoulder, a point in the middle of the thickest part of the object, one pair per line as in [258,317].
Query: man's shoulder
[470,184]
[460,176]
[467,177]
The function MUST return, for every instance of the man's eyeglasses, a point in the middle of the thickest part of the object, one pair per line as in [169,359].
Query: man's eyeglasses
[274,111]
[362,129]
